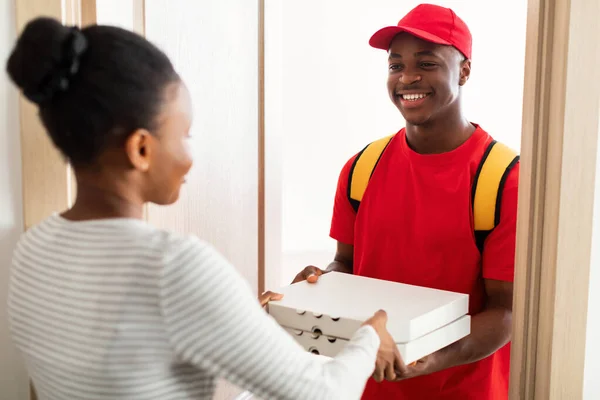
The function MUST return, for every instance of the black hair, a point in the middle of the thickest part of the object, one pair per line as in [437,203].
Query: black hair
[93,86]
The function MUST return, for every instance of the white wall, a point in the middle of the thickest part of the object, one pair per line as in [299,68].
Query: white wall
[214,47]
[13,378]
[115,12]
[333,96]
[591,385]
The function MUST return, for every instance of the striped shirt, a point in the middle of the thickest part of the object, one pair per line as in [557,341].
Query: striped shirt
[117,309]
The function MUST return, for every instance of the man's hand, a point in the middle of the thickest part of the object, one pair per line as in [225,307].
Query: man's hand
[490,330]
[310,274]
[267,296]
[417,368]
[342,262]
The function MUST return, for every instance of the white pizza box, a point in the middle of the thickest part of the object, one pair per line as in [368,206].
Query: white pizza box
[412,351]
[339,303]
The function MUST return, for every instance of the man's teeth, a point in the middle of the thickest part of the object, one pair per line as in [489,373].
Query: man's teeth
[413,97]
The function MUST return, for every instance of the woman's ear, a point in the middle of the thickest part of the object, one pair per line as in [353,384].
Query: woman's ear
[465,72]
[139,149]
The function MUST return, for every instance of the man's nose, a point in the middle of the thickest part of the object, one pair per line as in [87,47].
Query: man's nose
[409,78]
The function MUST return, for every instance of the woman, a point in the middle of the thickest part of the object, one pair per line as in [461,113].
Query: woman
[103,305]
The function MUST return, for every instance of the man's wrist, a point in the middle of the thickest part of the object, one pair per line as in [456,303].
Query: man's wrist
[338,266]
[440,360]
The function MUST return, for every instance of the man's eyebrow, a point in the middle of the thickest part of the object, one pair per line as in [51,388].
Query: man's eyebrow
[417,54]
[426,53]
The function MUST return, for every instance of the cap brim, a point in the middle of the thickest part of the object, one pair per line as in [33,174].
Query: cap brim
[383,37]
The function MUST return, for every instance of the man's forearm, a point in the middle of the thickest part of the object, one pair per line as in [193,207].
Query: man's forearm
[490,331]
[339,266]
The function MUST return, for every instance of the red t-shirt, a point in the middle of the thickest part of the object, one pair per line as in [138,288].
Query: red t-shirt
[415,226]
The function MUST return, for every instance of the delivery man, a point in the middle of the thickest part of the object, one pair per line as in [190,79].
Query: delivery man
[419,220]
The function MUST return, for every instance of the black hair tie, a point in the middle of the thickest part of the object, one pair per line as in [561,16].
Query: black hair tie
[58,79]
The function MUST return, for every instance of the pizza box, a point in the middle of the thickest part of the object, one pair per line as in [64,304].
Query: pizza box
[338,304]
[412,351]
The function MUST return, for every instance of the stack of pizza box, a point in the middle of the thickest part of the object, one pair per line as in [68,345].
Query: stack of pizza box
[323,316]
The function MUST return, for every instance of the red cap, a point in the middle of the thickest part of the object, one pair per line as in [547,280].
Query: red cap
[431,23]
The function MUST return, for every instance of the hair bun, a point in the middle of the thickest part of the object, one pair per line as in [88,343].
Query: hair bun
[46,56]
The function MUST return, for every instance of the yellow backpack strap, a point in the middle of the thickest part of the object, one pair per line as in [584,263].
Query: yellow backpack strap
[498,160]
[362,169]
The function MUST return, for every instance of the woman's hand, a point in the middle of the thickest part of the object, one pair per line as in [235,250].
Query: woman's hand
[267,296]
[388,357]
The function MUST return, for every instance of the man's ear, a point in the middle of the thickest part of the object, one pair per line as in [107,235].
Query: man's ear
[465,72]
[139,149]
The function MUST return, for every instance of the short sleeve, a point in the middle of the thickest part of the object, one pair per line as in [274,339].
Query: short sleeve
[499,248]
[342,221]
